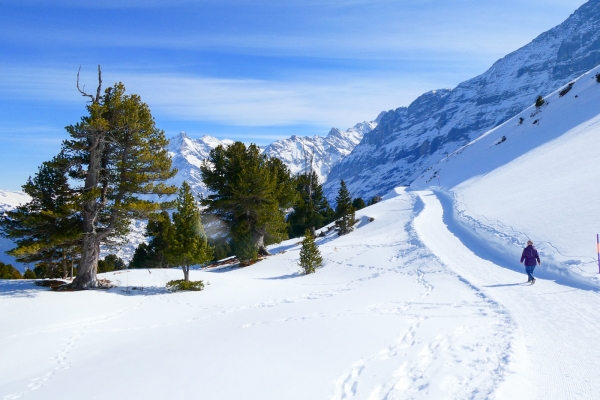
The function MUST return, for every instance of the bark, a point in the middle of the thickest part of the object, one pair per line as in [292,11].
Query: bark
[313,231]
[259,239]
[88,266]
[64,263]
[186,273]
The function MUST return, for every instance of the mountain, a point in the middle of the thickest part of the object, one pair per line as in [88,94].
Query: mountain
[8,201]
[325,152]
[408,140]
[534,177]
[188,153]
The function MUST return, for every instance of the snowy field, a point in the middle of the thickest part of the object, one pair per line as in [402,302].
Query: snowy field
[402,309]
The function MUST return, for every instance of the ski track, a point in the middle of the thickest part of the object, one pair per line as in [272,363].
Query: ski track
[412,355]
[556,322]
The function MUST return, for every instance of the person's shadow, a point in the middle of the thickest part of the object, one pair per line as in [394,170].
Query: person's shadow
[507,284]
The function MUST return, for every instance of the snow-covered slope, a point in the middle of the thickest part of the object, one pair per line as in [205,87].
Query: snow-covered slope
[324,152]
[535,177]
[410,139]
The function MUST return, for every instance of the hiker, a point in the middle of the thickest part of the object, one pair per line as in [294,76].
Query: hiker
[530,255]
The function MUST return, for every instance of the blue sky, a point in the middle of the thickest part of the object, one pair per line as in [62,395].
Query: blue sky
[254,71]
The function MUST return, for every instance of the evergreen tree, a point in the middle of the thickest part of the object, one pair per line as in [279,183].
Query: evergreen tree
[47,229]
[358,203]
[110,263]
[7,271]
[312,211]
[153,253]
[344,211]
[310,255]
[115,154]
[540,101]
[250,193]
[245,249]
[29,274]
[374,200]
[188,245]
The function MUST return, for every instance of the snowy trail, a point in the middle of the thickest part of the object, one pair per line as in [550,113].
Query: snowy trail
[555,355]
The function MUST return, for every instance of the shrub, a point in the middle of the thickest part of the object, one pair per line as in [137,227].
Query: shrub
[598,77]
[521,119]
[181,284]
[540,101]
[245,249]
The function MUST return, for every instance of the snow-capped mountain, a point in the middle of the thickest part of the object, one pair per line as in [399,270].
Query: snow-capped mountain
[324,152]
[534,177]
[9,200]
[188,154]
[410,139]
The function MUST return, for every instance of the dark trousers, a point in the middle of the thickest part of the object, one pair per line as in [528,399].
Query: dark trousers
[529,270]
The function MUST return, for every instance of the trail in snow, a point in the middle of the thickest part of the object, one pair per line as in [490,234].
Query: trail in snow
[555,352]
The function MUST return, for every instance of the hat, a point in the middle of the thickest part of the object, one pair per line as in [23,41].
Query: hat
[529,243]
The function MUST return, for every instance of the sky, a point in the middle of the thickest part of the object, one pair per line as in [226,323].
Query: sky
[254,71]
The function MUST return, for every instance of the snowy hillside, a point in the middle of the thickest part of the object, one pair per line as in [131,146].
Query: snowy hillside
[325,152]
[536,179]
[400,310]
[410,139]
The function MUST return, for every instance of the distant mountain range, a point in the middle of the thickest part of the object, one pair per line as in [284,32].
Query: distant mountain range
[408,140]
[297,152]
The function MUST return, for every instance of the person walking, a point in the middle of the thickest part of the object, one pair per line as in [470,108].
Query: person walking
[530,255]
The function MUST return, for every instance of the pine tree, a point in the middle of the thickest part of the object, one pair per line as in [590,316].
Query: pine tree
[29,274]
[539,101]
[110,263]
[152,254]
[344,211]
[47,229]
[312,211]
[245,249]
[310,255]
[358,203]
[115,154]
[250,193]
[7,271]
[188,245]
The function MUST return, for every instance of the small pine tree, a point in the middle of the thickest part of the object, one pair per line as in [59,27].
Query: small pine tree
[110,263]
[189,245]
[310,256]
[344,211]
[540,101]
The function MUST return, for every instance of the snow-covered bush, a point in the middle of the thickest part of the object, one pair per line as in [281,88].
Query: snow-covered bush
[181,284]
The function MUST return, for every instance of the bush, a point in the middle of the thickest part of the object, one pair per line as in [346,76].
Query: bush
[181,284]
[110,263]
[540,101]
[598,77]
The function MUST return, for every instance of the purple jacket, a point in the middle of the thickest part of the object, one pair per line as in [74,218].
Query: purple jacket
[530,255]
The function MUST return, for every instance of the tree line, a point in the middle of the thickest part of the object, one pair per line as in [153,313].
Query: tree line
[112,169]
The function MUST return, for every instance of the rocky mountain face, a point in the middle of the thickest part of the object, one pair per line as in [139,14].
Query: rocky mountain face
[323,152]
[187,153]
[408,140]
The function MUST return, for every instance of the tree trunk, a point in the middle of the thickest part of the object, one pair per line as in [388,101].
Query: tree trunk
[259,239]
[186,273]
[88,266]
[313,231]
[64,263]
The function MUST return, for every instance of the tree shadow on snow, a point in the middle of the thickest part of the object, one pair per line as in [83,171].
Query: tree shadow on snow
[288,276]
[19,288]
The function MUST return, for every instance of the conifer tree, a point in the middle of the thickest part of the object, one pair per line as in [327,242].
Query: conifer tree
[188,245]
[310,255]
[245,249]
[7,271]
[250,193]
[344,211]
[358,203]
[115,154]
[47,229]
[152,254]
[312,211]
[29,274]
